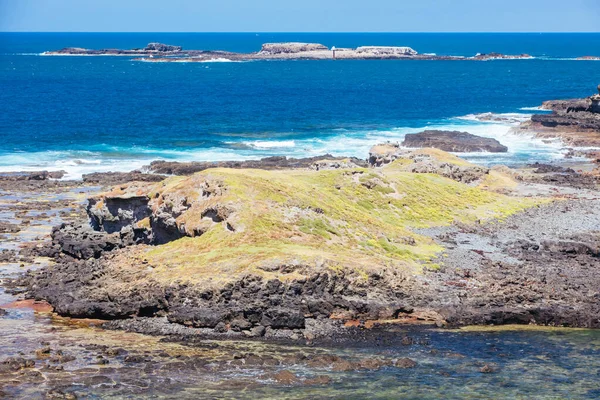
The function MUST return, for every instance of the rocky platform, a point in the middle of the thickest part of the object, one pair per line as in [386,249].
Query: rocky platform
[453,141]
[292,253]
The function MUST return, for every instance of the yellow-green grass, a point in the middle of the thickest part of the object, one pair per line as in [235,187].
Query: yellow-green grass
[345,220]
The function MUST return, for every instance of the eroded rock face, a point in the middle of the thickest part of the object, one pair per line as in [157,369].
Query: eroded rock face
[453,141]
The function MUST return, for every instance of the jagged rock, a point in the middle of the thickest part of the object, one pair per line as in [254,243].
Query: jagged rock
[326,161]
[453,141]
[114,178]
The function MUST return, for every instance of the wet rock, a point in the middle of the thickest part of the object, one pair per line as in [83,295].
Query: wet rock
[407,341]
[43,352]
[113,352]
[453,141]
[97,380]
[59,394]
[7,227]
[405,363]
[285,377]
[318,380]
[373,363]
[136,358]
[12,364]
[487,369]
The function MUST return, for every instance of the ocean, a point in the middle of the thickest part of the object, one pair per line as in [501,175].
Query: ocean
[85,114]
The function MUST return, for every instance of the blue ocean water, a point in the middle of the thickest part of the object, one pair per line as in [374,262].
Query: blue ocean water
[86,114]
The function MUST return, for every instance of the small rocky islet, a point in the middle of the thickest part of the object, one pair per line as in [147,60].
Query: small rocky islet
[305,257]
[159,52]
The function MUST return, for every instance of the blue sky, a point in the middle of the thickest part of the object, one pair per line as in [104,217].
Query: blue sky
[300,15]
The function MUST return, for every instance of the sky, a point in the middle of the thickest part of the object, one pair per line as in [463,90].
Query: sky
[300,15]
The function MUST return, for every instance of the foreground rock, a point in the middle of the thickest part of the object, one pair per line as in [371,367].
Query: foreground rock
[453,141]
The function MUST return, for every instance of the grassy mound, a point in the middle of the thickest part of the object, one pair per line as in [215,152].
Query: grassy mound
[261,222]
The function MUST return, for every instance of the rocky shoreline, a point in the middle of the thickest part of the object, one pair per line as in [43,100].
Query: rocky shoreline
[158,52]
[576,122]
[291,298]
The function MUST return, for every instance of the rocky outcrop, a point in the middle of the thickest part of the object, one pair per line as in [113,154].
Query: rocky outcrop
[114,178]
[576,121]
[453,141]
[162,48]
[500,56]
[426,162]
[326,161]
[150,49]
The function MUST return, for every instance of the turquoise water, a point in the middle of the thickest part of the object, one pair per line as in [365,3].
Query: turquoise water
[111,113]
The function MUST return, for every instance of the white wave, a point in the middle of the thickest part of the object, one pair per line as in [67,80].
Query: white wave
[189,60]
[500,118]
[522,148]
[220,60]
[537,108]
[594,58]
[271,144]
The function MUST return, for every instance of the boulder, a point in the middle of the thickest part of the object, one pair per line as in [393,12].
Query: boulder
[453,141]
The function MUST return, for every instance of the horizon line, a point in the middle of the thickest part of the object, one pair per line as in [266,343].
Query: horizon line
[324,32]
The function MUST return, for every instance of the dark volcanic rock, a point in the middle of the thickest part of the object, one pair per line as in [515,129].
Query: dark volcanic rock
[31,175]
[113,178]
[268,163]
[453,141]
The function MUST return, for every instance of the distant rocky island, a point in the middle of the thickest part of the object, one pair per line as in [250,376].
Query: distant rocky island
[159,52]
